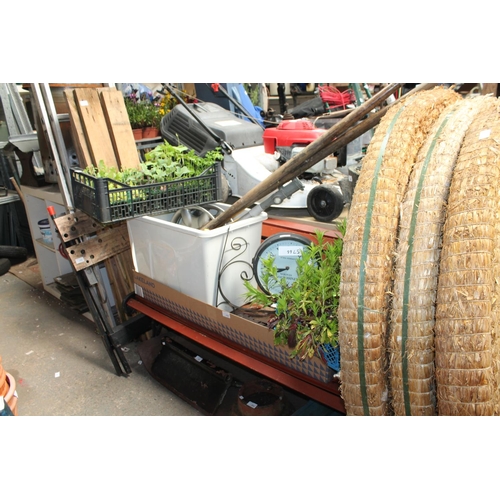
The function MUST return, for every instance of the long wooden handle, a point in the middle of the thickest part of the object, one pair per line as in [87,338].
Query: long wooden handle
[302,161]
[18,189]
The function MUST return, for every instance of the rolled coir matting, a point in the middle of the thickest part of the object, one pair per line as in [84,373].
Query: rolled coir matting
[413,307]
[466,329]
[369,245]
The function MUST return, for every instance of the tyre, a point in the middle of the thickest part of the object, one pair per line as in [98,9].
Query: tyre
[11,252]
[4,266]
[325,203]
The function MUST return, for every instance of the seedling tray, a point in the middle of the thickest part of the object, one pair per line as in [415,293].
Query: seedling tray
[109,201]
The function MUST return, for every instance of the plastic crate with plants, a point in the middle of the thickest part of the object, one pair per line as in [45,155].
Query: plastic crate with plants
[171,177]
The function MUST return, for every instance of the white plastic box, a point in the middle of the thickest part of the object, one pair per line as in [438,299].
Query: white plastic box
[206,265]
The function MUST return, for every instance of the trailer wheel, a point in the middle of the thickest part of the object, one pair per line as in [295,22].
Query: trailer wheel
[4,266]
[325,203]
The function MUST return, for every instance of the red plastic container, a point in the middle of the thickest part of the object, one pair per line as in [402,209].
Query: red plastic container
[290,133]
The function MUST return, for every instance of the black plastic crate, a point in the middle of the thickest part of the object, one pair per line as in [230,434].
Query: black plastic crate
[109,201]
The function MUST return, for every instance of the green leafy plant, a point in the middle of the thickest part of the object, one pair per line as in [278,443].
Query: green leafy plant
[134,112]
[253,93]
[164,163]
[106,172]
[175,162]
[152,116]
[306,311]
[142,113]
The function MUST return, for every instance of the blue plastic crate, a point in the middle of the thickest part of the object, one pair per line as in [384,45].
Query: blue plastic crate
[331,356]
[109,201]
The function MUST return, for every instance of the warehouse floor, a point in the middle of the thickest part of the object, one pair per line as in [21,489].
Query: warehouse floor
[61,366]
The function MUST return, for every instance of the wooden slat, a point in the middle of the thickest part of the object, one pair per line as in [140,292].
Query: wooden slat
[273,226]
[77,133]
[119,269]
[120,130]
[95,127]
[76,225]
[104,245]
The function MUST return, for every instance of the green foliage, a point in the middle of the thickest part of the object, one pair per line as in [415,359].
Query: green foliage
[152,116]
[168,162]
[253,93]
[306,311]
[142,113]
[164,163]
[106,172]
[134,112]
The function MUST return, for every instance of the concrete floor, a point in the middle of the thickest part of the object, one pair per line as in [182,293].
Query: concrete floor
[60,364]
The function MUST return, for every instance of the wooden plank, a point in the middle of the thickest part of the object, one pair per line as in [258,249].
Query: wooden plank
[273,226]
[76,225]
[120,131]
[77,133]
[104,245]
[119,269]
[95,127]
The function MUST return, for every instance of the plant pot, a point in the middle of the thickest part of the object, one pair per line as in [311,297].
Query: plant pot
[137,133]
[150,132]
[11,396]
[45,231]
[4,386]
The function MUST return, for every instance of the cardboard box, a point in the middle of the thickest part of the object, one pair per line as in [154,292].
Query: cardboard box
[251,335]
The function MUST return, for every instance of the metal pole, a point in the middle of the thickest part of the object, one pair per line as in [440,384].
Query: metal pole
[46,125]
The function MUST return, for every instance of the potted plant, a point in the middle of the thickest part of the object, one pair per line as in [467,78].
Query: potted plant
[135,115]
[152,120]
[305,317]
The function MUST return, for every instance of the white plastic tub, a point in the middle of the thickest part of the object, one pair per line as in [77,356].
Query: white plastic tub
[206,265]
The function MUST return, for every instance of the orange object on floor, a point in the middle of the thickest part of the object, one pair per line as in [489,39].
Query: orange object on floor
[11,395]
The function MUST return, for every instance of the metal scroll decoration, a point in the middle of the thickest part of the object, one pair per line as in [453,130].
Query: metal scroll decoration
[239,245]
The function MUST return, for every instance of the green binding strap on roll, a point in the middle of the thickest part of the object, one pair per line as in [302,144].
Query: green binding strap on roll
[409,261]
[362,270]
